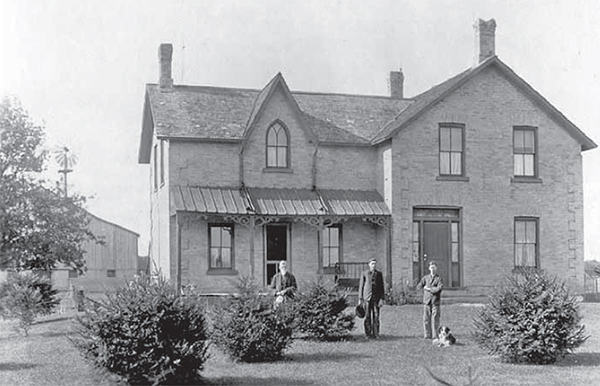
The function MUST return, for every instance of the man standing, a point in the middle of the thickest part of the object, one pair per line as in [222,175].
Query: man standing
[284,283]
[370,296]
[432,285]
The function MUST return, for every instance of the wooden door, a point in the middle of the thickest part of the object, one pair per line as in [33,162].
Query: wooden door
[436,247]
[277,249]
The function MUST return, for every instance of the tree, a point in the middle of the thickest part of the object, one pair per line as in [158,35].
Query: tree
[38,227]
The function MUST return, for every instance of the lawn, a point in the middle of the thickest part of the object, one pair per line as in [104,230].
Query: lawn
[400,357]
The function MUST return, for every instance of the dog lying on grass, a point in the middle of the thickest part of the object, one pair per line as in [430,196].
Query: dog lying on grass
[445,337]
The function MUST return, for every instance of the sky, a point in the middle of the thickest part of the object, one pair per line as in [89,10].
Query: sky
[80,68]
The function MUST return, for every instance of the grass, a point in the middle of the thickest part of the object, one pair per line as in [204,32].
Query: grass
[400,357]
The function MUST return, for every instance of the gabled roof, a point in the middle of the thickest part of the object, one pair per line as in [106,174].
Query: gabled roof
[227,114]
[224,114]
[429,98]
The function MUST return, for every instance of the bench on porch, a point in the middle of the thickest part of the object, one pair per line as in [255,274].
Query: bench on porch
[347,275]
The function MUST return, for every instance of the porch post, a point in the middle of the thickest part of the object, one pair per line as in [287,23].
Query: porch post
[388,253]
[178,226]
[252,225]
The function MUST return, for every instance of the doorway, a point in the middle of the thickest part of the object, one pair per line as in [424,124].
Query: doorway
[276,249]
[436,237]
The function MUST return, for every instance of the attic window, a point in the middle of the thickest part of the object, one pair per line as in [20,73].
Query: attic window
[277,146]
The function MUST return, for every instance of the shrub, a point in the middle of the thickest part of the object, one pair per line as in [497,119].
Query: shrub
[531,318]
[320,313]
[403,293]
[247,327]
[25,296]
[146,332]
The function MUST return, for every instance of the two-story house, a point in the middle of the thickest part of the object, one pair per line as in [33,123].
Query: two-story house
[479,173]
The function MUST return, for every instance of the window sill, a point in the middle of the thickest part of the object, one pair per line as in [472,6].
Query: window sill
[529,180]
[221,272]
[523,269]
[278,170]
[452,178]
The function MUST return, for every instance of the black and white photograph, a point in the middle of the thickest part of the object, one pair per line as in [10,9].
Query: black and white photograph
[300,192]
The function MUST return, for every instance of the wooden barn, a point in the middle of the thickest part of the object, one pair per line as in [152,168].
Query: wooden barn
[108,264]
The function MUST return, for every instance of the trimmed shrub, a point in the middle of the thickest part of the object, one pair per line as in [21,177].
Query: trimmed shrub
[25,296]
[320,313]
[531,318]
[248,328]
[146,332]
[403,293]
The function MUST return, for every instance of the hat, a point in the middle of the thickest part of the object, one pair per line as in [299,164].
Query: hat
[372,259]
[360,311]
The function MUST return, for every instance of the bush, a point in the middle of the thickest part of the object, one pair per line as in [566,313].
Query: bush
[320,313]
[403,293]
[25,296]
[530,318]
[247,328]
[146,332]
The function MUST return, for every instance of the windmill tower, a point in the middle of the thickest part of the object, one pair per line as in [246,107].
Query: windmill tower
[66,160]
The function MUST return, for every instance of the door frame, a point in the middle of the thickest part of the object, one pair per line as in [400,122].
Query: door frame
[288,249]
[444,214]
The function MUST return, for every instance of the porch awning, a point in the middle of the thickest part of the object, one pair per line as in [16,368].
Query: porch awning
[278,202]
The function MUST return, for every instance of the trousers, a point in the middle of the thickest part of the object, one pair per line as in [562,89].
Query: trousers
[372,318]
[431,320]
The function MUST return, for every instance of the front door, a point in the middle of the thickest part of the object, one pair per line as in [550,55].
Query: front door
[436,248]
[277,249]
[436,237]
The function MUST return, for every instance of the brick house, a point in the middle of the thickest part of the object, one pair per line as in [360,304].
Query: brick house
[479,173]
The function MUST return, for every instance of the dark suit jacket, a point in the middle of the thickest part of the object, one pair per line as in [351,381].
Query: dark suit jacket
[287,283]
[365,287]
[436,284]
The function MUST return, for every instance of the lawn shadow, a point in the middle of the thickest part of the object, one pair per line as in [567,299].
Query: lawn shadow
[11,366]
[255,381]
[588,359]
[321,357]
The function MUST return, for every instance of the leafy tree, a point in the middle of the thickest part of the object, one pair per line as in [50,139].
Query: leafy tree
[38,227]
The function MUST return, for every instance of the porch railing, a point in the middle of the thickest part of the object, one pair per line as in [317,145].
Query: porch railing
[347,275]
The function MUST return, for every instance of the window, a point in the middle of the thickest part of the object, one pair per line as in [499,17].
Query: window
[155,171]
[332,253]
[451,149]
[111,273]
[524,151]
[277,146]
[221,246]
[526,246]
[162,162]
[73,273]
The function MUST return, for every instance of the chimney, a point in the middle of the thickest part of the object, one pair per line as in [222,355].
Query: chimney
[165,55]
[396,84]
[485,36]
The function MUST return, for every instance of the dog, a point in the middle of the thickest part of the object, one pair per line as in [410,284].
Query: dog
[445,337]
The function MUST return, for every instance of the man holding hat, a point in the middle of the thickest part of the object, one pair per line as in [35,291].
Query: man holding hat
[370,296]
[432,285]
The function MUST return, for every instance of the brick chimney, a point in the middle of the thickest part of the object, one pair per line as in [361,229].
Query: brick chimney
[396,84]
[165,55]
[485,39]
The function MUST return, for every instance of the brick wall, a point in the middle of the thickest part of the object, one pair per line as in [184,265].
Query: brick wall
[490,106]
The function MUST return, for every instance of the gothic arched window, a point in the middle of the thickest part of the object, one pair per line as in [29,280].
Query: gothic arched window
[277,146]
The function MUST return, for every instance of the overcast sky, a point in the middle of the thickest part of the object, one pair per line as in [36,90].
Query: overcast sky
[81,66]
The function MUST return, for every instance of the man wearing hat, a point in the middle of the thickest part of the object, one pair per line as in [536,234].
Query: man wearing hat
[432,285]
[370,296]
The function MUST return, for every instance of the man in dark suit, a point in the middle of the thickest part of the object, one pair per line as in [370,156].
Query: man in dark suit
[432,285]
[370,296]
